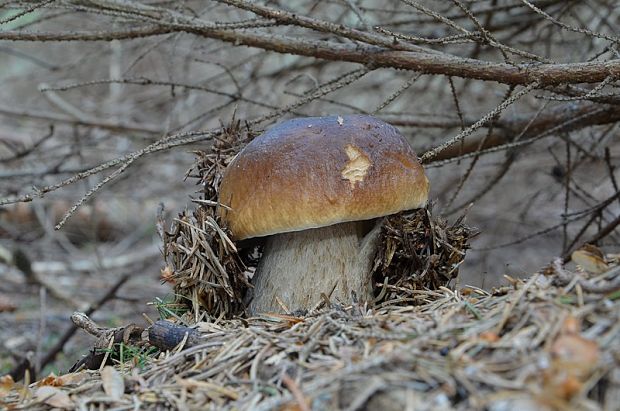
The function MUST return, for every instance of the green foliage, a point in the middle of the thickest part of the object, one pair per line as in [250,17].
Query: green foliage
[131,356]
[614,296]
[170,306]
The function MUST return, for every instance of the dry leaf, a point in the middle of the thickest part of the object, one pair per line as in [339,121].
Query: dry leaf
[74,378]
[592,249]
[6,305]
[54,397]
[52,380]
[590,259]
[465,291]
[291,406]
[6,384]
[489,336]
[574,360]
[577,353]
[113,382]
[560,384]
[568,387]
[571,325]
[167,275]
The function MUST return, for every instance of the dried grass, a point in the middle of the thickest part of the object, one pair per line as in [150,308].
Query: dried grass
[418,251]
[201,260]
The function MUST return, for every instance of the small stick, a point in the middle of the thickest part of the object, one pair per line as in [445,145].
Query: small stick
[282,305]
[42,326]
[106,339]
[82,321]
[107,353]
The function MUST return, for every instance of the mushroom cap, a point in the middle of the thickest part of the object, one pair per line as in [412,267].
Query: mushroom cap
[318,171]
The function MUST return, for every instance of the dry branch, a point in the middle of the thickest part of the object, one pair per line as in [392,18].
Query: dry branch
[91,122]
[559,119]
[376,57]
[368,55]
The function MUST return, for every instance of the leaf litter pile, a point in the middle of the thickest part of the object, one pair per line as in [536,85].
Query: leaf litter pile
[551,342]
[548,343]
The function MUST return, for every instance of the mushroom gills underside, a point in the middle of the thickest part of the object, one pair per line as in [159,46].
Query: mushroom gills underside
[297,267]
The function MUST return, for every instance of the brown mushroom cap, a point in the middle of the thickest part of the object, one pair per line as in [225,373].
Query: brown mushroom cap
[318,171]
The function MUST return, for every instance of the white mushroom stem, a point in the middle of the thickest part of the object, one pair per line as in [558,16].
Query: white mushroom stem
[297,267]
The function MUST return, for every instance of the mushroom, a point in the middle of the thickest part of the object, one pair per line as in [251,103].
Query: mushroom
[315,186]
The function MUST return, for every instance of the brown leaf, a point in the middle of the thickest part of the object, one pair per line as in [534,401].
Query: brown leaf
[590,259]
[74,378]
[6,305]
[489,336]
[568,387]
[6,384]
[592,249]
[465,291]
[52,380]
[577,353]
[113,382]
[571,325]
[167,275]
[54,397]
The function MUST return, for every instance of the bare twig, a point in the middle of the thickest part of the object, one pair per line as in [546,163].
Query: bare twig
[429,155]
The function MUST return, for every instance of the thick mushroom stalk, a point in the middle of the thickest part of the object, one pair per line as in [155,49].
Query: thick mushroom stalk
[297,267]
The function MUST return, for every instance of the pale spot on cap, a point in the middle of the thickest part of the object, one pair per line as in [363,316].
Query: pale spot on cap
[357,167]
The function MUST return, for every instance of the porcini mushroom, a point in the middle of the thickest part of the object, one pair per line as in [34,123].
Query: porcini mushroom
[312,185]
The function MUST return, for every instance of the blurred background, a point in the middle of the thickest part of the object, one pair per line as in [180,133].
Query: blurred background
[102,103]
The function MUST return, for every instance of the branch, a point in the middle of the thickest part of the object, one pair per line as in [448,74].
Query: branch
[285,17]
[128,335]
[372,56]
[90,122]
[431,154]
[566,117]
[132,257]
[609,228]
[106,35]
